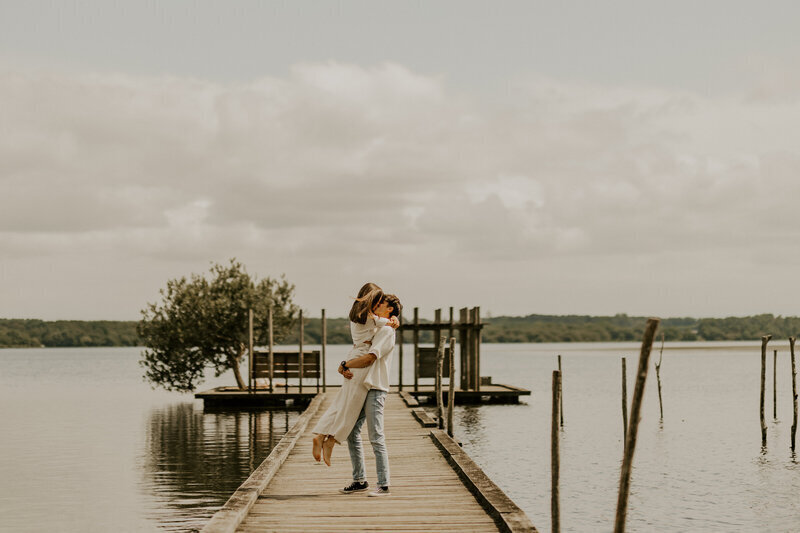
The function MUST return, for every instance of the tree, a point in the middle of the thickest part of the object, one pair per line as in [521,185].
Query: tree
[203,323]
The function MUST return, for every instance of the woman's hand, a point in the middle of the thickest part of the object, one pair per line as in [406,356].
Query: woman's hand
[394,322]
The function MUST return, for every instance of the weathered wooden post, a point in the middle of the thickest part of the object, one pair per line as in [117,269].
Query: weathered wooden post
[794,391]
[437,320]
[624,403]
[452,325]
[251,365]
[301,359]
[764,340]
[561,396]
[635,418]
[400,354]
[775,384]
[464,336]
[658,376]
[416,348]
[451,392]
[322,353]
[554,454]
[271,358]
[439,374]
[476,346]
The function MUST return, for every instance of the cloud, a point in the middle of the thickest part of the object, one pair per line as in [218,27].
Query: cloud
[337,162]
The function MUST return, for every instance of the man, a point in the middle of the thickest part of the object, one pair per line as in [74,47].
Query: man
[379,358]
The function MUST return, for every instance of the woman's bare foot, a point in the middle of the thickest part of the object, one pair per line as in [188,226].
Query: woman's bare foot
[327,449]
[317,449]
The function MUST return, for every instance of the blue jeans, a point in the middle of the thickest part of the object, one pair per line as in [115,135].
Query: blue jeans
[372,412]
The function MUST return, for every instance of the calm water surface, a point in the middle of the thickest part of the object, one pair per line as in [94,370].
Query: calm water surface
[87,446]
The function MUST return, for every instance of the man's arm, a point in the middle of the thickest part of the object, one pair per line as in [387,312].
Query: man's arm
[382,344]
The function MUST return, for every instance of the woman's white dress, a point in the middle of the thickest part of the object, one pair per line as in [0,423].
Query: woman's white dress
[341,416]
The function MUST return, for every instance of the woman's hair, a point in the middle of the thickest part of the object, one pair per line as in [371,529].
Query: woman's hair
[394,301]
[369,296]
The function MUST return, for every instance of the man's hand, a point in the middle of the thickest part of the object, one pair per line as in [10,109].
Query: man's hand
[394,322]
[346,373]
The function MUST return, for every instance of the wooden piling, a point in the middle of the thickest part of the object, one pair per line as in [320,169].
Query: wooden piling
[324,340]
[635,418]
[775,384]
[476,346]
[300,357]
[554,454]
[416,348]
[764,340]
[400,355]
[794,391]
[464,344]
[439,373]
[271,356]
[452,325]
[658,376]
[250,352]
[451,392]
[561,396]
[624,403]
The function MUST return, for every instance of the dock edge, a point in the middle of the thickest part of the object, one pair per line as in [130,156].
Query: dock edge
[506,514]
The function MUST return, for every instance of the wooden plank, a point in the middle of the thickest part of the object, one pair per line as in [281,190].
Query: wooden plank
[235,509]
[424,418]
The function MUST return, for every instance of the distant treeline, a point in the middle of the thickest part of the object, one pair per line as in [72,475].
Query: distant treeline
[15,333]
[531,328]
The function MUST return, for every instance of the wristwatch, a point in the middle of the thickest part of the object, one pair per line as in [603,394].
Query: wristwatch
[344,365]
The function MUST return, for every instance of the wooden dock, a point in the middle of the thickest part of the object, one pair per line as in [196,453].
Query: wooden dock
[435,486]
[232,397]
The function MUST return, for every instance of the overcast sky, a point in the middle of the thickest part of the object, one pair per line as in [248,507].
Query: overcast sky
[561,158]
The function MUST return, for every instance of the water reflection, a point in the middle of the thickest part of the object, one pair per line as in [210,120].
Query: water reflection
[194,460]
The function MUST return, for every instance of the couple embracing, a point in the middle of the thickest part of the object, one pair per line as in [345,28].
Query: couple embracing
[373,319]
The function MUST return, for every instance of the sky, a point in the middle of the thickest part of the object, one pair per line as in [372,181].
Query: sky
[525,157]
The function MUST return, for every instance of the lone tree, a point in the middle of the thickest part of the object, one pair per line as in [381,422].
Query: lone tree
[203,322]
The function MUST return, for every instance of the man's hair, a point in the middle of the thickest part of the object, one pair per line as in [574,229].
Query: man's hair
[369,296]
[394,301]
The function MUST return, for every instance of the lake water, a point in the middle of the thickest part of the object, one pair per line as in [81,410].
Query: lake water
[88,446]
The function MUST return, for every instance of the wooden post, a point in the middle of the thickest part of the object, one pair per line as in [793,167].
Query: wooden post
[624,403]
[271,357]
[764,340]
[400,355]
[452,327]
[476,343]
[658,376]
[300,358]
[794,391]
[775,384]
[561,396]
[630,437]
[250,359]
[322,353]
[462,334]
[437,320]
[554,454]
[416,348]
[439,373]
[451,392]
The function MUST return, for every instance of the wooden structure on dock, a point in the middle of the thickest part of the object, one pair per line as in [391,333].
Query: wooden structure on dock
[302,365]
[469,339]
[435,486]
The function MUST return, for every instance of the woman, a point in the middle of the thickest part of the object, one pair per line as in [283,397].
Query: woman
[336,424]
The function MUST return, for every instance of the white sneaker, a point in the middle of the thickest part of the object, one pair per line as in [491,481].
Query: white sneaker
[380,491]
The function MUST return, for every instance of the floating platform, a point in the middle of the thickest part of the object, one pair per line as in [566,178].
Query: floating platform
[232,397]
[435,485]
